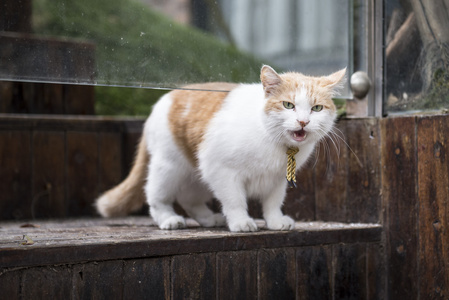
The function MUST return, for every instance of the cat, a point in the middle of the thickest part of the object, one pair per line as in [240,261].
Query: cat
[198,144]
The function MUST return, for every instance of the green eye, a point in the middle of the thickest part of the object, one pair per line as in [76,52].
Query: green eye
[288,105]
[317,108]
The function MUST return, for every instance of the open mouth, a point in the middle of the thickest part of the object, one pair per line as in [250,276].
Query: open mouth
[299,135]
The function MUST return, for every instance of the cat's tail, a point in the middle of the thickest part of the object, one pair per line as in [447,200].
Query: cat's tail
[128,196]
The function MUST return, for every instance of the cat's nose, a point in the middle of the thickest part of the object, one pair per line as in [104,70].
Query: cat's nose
[303,123]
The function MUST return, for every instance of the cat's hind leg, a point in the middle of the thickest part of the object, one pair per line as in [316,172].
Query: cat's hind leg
[163,184]
[193,197]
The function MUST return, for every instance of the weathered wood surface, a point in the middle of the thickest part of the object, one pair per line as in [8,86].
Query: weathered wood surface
[53,167]
[433,209]
[399,190]
[130,258]
[100,239]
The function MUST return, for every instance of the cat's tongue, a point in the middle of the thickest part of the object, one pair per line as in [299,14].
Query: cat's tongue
[299,135]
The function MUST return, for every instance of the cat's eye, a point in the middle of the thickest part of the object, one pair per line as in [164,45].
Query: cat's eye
[317,108]
[288,105]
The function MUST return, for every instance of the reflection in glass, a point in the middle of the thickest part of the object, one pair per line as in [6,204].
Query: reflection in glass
[134,43]
[417,55]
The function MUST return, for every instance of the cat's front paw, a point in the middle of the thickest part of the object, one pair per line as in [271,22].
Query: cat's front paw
[174,222]
[282,223]
[245,225]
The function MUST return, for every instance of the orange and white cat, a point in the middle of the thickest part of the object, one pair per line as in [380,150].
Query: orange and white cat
[197,145]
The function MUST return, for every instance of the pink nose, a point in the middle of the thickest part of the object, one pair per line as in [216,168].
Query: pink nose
[303,124]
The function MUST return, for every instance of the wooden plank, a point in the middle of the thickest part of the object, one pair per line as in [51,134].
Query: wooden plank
[364,186]
[349,273]
[399,191]
[10,283]
[98,280]
[147,278]
[95,239]
[433,182]
[49,175]
[376,271]
[82,172]
[300,202]
[110,160]
[193,276]
[331,177]
[15,175]
[69,123]
[314,272]
[277,273]
[79,99]
[47,283]
[237,275]
[48,99]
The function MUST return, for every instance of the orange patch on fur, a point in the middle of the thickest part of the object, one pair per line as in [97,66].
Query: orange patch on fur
[317,89]
[191,112]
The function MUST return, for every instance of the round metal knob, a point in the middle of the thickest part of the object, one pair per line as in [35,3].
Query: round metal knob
[360,84]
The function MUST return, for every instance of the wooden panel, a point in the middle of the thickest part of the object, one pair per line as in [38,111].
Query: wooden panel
[98,280]
[277,274]
[363,191]
[49,175]
[314,273]
[433,181]
[376,271]
[110,156]
[147,278]
[79,99]
[47,283]
[82,172]
[10,283]
[331,178]
[237,275]
[193,276]
[399,168]
[300,202]
[349,275]
[15,175]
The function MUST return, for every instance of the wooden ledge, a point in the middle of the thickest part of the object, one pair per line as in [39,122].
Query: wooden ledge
[73,241]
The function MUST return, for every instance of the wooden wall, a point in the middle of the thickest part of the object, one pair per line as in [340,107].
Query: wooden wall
[415,192]
[56,166]
[395,171]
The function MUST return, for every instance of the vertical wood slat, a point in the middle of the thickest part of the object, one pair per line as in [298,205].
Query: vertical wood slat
[10,282]
[375,272]
[314,270]
[82,172]
[331,176]
[15,174]
[363,191]
[193,276]
[98,280]
[277,274]
[433,182]
[399,167]
[147,278]
[237,275]
[349,274]
[110,160]
[300,202]
[49,175]
[46,283]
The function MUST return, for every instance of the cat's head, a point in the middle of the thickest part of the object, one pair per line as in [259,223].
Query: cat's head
[299,108]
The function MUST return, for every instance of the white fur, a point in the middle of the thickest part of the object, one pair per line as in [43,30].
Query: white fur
[243,155]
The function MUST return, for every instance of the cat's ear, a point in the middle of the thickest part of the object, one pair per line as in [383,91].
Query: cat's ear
[335,81]
[270,79]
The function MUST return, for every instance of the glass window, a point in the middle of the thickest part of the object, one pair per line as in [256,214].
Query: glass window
[417,55]
[167,44]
